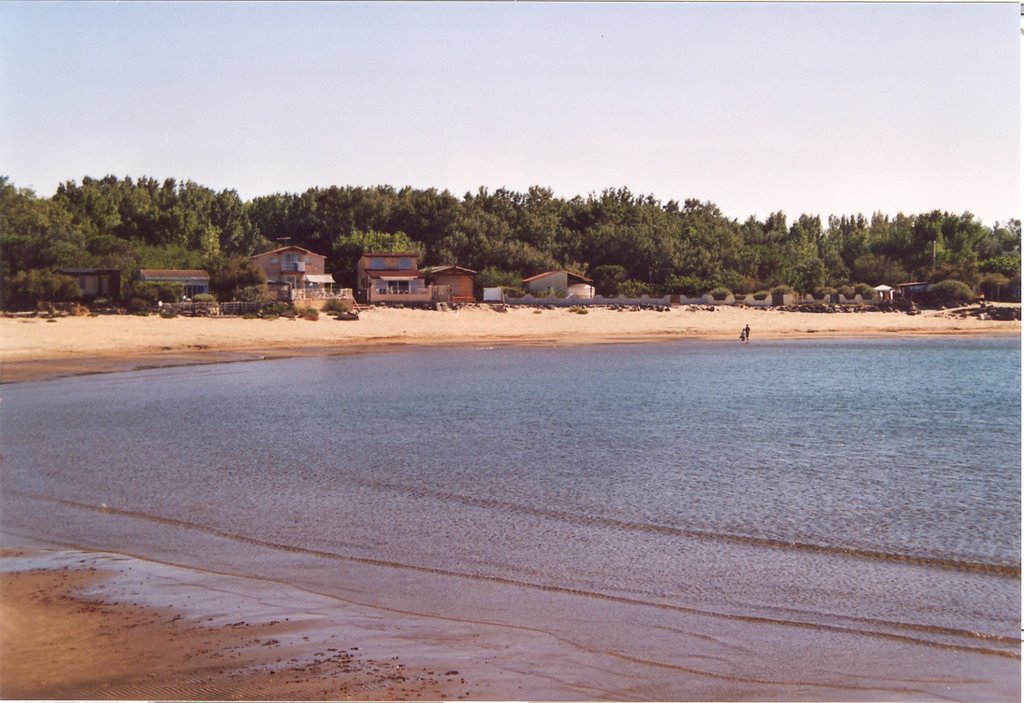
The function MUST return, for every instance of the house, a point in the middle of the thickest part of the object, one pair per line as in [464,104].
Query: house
[456,281]
[567,282]
[96,283]
[391,278]
[301,269]
[193,281]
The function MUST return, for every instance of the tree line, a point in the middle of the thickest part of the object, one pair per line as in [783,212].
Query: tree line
[627,243]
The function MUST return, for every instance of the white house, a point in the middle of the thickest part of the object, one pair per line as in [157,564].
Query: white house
[569,283]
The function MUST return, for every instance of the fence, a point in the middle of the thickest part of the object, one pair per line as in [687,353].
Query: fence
[239,308]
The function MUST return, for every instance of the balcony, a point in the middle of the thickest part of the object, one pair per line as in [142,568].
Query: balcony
[293,267]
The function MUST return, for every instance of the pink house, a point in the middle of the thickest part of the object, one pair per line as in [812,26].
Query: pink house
[300,268]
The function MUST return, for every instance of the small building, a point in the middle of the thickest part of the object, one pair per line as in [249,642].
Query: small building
[300,268]
[570,283]
[391,278]
[96,283]
[883,292]
[456,281]
[910,291]
[193,281]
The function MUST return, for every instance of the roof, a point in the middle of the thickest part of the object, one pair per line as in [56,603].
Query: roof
[883,288]
[394,274]
[447,268]
[174,274]
[319,278]
[290,246]
[392,253]
[572,277]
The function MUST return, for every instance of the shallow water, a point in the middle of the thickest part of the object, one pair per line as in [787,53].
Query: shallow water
[788,520]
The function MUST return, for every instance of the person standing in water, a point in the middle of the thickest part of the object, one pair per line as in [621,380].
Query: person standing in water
[745,334]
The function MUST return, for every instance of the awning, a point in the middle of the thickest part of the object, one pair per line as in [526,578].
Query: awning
[398,278]
[319,278]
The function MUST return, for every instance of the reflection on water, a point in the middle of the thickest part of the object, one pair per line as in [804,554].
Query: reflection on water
[791,517]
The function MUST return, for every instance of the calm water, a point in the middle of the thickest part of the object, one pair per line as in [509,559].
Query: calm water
[812,520]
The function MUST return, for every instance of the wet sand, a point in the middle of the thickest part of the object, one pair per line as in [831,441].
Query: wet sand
[83,625]
[37,348]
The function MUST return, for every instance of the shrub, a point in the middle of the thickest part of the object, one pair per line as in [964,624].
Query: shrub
[311,314]
[514,292]
[203,298]
[690,286]
[336,305]
[720,294]
[26,289]
[782,290]
[541,293]
[634,288]
[276,309]
[865,291]
[256,294]
[168,292]
[137,305]
[761,295]
[950,292]
[607,278]
[846,291]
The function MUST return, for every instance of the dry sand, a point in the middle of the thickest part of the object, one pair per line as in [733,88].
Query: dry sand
[35,348]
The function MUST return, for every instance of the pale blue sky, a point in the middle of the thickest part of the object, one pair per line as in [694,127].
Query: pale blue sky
[816,108]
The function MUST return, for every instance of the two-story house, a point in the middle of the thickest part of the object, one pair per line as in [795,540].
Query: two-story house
[300,268]
[391,278]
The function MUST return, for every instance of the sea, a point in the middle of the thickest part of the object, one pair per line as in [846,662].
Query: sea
[830,519]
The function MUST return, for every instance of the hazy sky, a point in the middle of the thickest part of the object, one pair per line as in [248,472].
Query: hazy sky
[816,108]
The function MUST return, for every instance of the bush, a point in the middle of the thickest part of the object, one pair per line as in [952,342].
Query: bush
[311,314]
[607,278]
[256,294]
[720,294]
[761,295]
[865,291]
[168,292]
[782,290]
[276,309]
[690,286]
[138,306]
[336,305]
[26,289]
[950,293]
[203,298]
[634,288]
[513,292]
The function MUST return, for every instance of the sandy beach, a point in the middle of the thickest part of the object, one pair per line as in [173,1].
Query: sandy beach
[97,626]
[37,348]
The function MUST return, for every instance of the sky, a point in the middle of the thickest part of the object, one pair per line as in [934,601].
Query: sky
[816,108]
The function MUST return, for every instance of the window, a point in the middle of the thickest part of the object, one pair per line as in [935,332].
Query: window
[405,263]
[376,263]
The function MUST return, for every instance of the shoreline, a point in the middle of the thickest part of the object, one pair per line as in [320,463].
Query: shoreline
[34,349]
[94,625]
